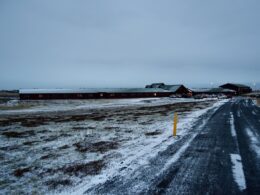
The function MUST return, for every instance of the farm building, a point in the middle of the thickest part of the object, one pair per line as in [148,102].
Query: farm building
[214,91]
[175,89]
[155,85]
[44,94]
[239,88]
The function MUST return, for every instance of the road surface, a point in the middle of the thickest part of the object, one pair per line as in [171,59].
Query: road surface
[219,155]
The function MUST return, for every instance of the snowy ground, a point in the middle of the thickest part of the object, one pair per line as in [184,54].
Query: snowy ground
[64,146]
[216,155]
[22,107]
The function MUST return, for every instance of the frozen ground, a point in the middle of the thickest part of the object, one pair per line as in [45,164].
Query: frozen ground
[215,155]
[64,146]
[127,147]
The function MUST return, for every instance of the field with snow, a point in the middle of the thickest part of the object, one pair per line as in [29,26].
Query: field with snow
[63,146]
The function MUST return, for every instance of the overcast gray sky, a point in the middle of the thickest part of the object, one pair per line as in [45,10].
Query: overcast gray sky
[119,43]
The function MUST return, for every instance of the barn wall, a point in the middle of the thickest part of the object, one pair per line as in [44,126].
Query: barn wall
[182,90]
[54,96]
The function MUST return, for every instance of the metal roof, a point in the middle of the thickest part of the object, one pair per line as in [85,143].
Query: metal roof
[199,89]
[93,90]
[212,90]
[172,88]
[221,90]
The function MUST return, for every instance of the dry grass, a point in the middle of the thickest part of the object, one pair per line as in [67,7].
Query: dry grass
[102,146]
[153,133]
[15,134]
[90,168]
[53,184]
[21,171]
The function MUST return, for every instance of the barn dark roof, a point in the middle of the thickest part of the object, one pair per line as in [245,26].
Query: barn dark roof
[92,90]
[156,85]
[236,85]
[172,88]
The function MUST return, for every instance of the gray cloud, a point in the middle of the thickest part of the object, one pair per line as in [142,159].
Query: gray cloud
[128,43]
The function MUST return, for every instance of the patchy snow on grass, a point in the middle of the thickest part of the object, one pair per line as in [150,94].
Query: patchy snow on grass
[237,170]
[38,106]
[74,150]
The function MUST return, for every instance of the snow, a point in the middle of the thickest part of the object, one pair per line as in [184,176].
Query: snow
[233,131]
[124,123]
[237,168]
[238,114]
[184,147]
[25,107]
[134,157]
[255,144]
[238,172]
[256,102]
[178,154]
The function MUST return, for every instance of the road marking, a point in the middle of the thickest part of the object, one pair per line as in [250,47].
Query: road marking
[237,166]
[237,169]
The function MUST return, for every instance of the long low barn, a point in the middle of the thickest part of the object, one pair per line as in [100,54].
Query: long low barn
[45,94]
[212,91]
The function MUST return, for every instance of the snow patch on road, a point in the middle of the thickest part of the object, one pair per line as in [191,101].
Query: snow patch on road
[255,145]
[233,131]
[237,168]
[238,114]
[238,172]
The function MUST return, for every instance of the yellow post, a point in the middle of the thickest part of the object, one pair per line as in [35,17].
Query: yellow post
[175,120]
